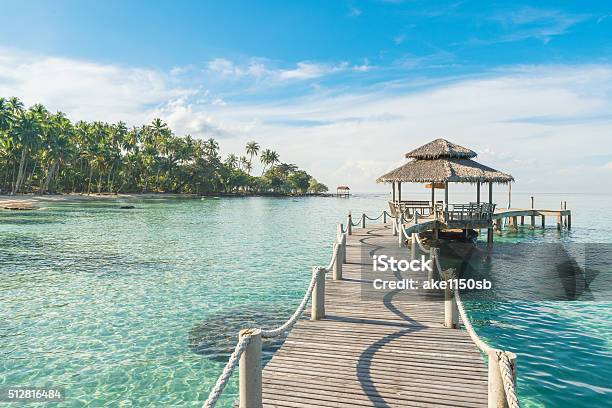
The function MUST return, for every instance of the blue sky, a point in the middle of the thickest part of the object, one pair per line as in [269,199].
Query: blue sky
[303,76]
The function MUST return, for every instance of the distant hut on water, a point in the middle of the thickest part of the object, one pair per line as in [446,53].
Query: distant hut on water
[343,191]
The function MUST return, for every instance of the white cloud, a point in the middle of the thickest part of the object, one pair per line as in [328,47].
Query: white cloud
[399,39]
[83,89]
[308,70]
[548,125]
[531,22]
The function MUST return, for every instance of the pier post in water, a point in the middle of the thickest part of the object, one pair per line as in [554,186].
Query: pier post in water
[250,371]
[532,214]
[543,221]
[497,393]
[490,229]
[337,266]
[318,295]
[522,220]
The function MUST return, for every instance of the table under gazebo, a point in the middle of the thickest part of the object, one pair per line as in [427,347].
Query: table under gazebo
[439,163]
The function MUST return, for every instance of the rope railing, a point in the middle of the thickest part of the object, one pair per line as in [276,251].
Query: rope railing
[250,339]
[226,374]
[502,357]
[296,315]
[420,244]
[245,338]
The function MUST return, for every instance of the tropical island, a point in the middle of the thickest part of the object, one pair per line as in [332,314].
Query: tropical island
[45,153]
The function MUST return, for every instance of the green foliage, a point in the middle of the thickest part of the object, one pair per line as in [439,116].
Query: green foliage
[44,152]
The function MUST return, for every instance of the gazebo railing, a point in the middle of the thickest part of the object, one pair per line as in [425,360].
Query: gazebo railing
[469,212]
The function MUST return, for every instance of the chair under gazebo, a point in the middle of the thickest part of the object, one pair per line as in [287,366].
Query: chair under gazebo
[439,163]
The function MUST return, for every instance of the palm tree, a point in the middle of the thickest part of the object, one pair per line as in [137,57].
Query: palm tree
[27,132]
[211,147]
[252,149]
[269,158]
[50,152]
[245,164]
[231,161]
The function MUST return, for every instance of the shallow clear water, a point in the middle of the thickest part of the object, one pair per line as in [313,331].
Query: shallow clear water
[142,307]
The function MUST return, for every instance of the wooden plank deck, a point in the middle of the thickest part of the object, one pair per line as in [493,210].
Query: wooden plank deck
[373,353]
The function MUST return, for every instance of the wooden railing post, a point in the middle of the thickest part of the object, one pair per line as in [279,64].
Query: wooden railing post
[400,233]
[318,295]
[339,232]
[343,248]
[497,393]
[451,313]
[349,227]
[363,218]
[250,371]
[394,226]
[337,266]
[433,254]
[413,246]
[384,217]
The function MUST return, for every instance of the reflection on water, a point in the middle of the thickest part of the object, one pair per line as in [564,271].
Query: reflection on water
[142,307]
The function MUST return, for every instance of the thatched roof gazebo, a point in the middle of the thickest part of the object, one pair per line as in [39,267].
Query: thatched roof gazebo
[343,191]
[441,161]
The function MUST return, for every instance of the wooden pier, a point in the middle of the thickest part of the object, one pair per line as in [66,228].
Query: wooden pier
[368,353]
[398,349]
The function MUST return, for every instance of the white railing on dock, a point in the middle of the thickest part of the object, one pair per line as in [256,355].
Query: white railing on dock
[247,353]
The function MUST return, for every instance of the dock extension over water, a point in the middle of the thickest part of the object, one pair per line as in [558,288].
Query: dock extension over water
[356,351]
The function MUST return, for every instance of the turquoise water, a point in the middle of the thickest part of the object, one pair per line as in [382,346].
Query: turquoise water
[141,307]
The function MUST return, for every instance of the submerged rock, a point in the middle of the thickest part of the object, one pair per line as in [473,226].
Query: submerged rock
[216,336]
[126,207]
[19,206]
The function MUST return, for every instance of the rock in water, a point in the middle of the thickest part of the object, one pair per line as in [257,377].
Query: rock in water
[127,207]
[19,206]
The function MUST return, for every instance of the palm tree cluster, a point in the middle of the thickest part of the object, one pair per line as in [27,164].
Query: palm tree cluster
[42,152]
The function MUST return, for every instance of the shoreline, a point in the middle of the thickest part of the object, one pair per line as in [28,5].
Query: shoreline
[28,199]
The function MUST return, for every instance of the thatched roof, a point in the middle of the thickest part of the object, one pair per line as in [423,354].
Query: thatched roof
[440,161]
[441,148]
[445,169]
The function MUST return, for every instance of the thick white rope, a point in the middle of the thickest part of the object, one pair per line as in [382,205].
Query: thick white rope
[468,325]
[296,315]
[420,244]
[333,258]
[506,371]
[504,362]
[223,379]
